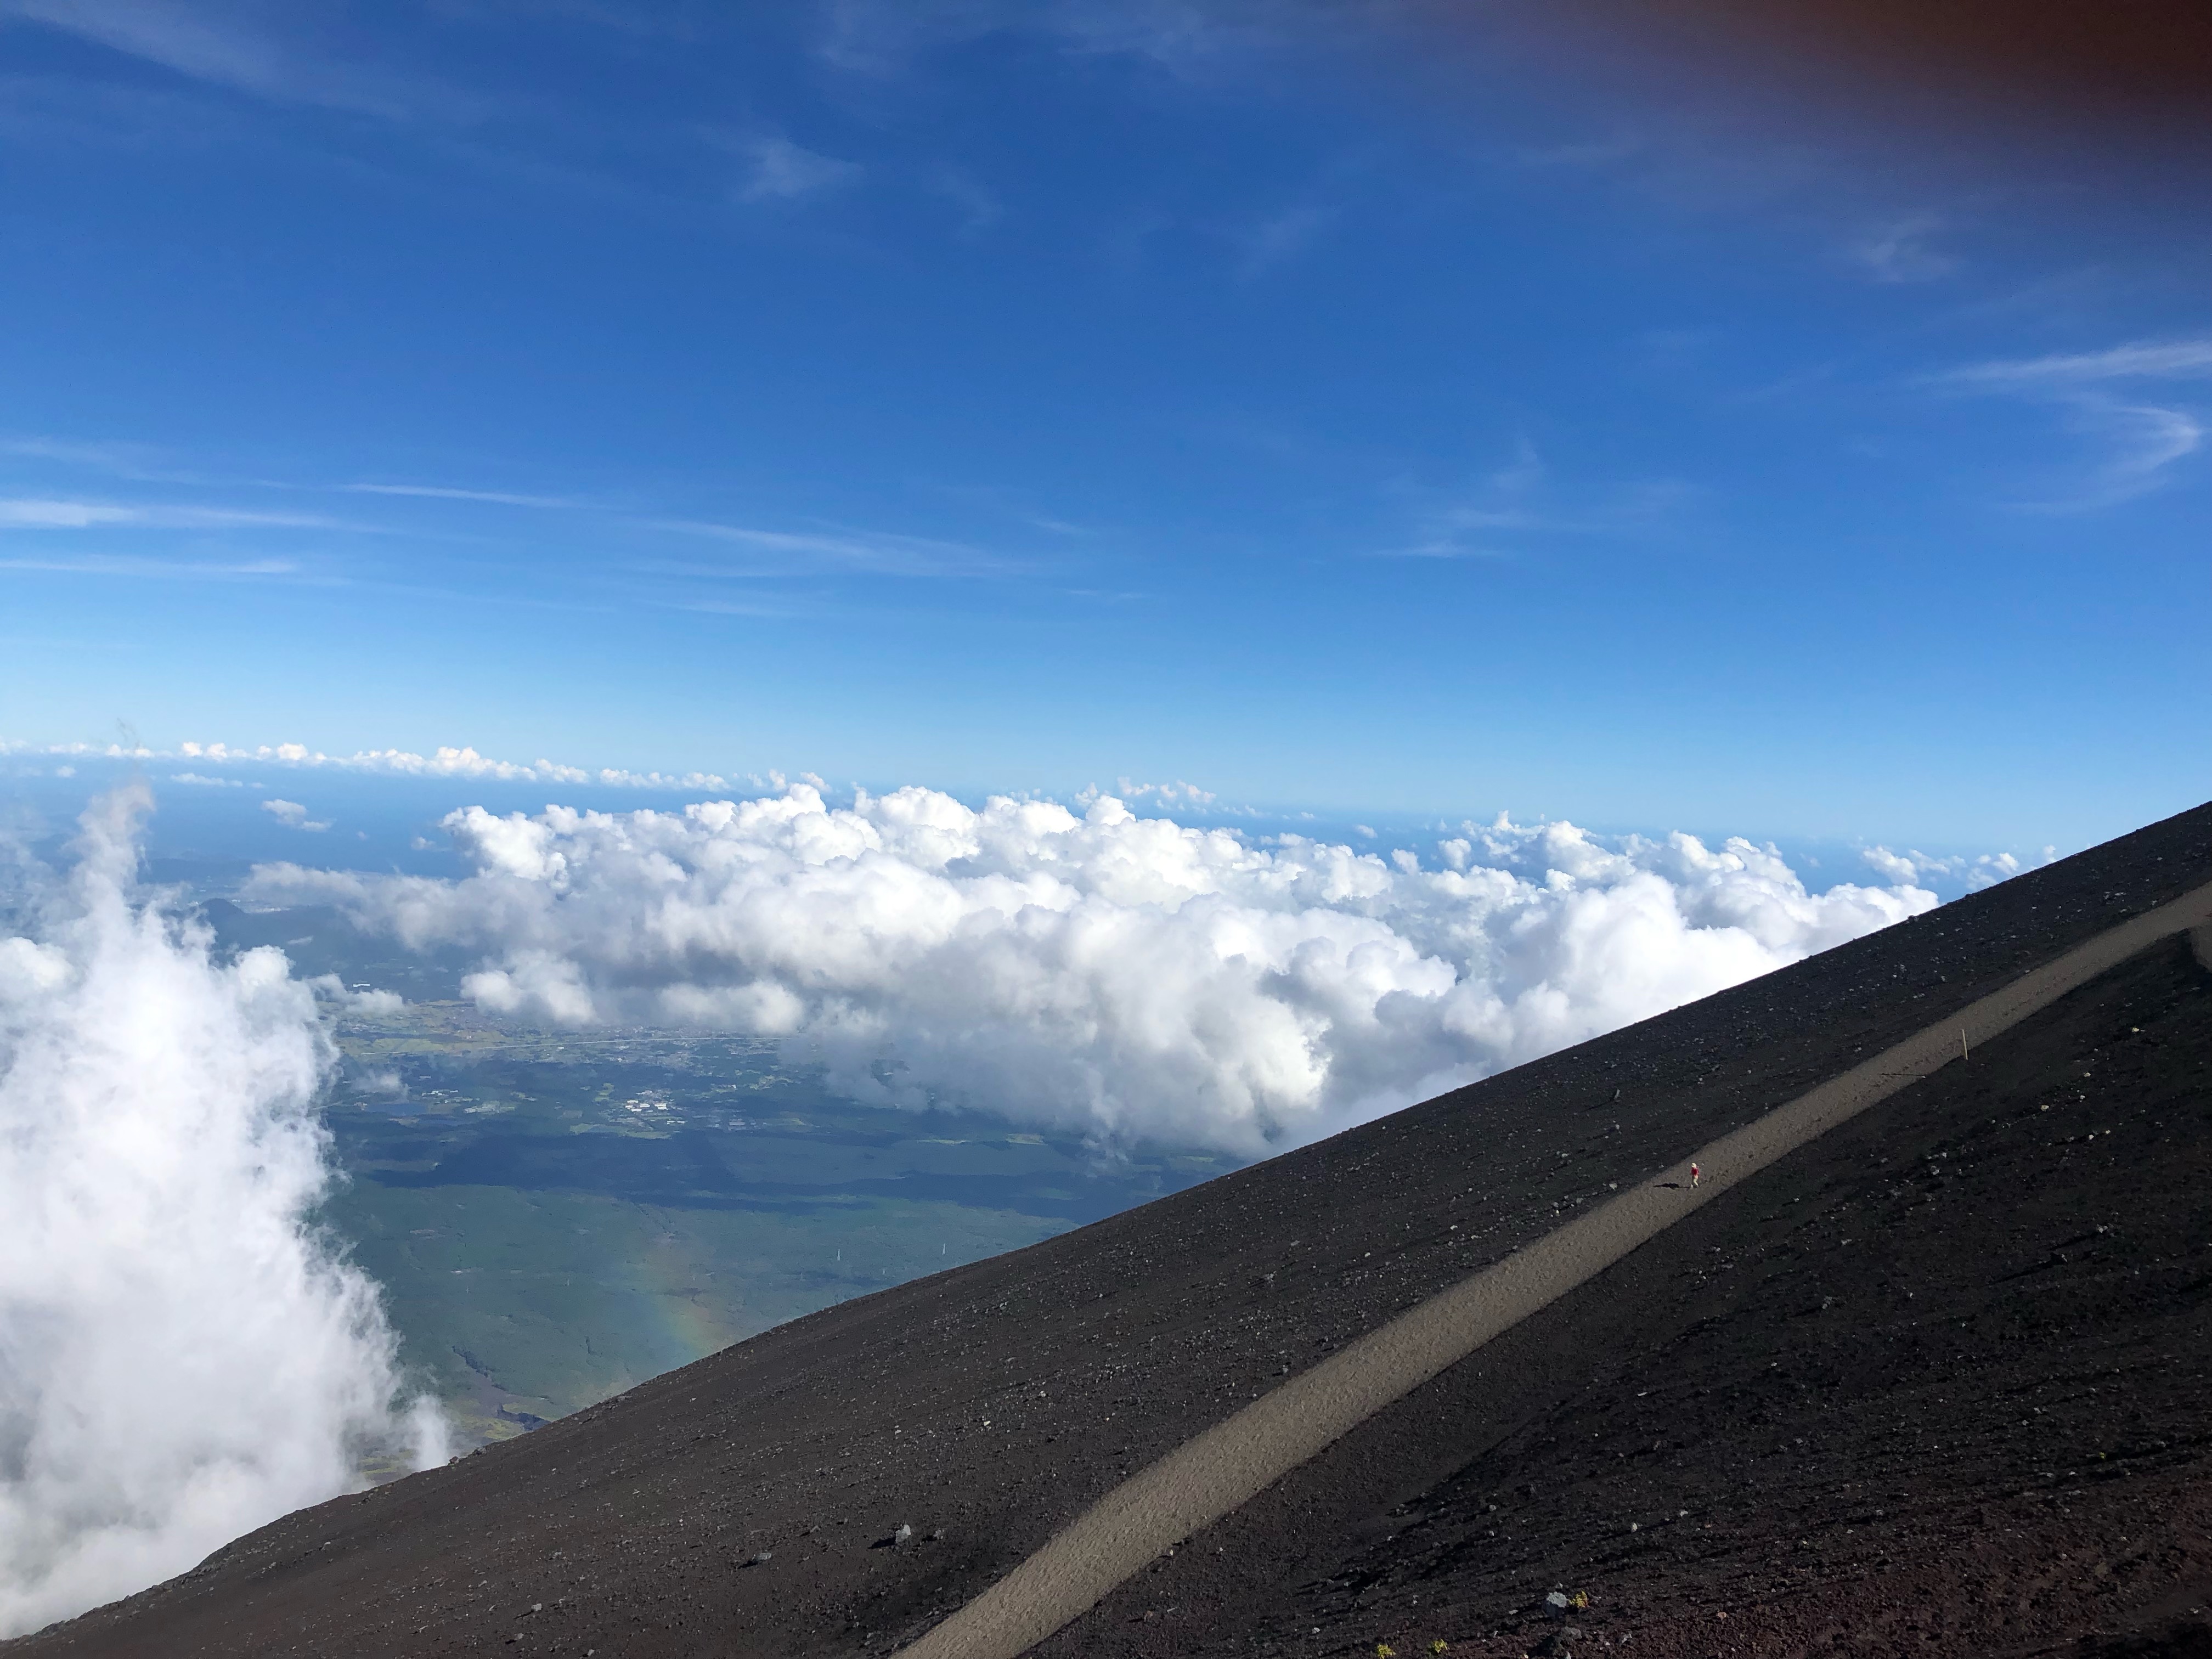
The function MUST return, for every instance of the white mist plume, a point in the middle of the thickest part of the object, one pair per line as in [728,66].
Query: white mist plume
[1117,976]
[182,1358]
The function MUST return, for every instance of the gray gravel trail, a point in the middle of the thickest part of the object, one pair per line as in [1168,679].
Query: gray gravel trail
[1216,1471]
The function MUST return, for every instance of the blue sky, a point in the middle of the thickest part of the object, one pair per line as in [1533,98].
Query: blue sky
[1334,415]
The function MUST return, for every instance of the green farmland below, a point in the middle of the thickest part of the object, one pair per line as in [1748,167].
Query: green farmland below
[555,1216]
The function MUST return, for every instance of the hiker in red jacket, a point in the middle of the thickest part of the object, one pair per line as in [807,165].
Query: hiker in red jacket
[1695,1175]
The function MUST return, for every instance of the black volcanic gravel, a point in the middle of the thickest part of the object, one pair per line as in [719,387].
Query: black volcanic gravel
[1912,1399]
[1940,1377]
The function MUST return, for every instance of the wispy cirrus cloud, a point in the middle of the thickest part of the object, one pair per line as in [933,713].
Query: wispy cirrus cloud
[887,38]
[762,609]
[1519,499]
[100,564]
[449,493]
[1505,499]
[52,513]
[1589,154]
[2155,360]
[32,514]
[782,171]
[2142,437]
[2148,437]
[1269,242]
[874,552]
[287,55]
[137,462]
[978,207]
[48,513]
[197,42]
[1018,506]
[1901,252]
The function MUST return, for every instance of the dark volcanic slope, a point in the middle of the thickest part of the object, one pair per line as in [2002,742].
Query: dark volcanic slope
[1910,1397]
[1939,1379]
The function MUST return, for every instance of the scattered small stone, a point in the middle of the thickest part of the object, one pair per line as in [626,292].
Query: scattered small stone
[762,1559]
[903,1533]
[1557,1601]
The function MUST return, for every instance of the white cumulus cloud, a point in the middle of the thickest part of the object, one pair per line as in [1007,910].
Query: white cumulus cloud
[182,1356]
[1116,976]
[1984,870]
[445,763]
[293,815]
[362,1000]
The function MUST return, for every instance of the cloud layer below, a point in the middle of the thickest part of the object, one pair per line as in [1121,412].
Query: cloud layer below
[1116,975]
[464,764]
[182,1357]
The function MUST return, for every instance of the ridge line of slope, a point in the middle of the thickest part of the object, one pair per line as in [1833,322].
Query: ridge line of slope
[1224,1466]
